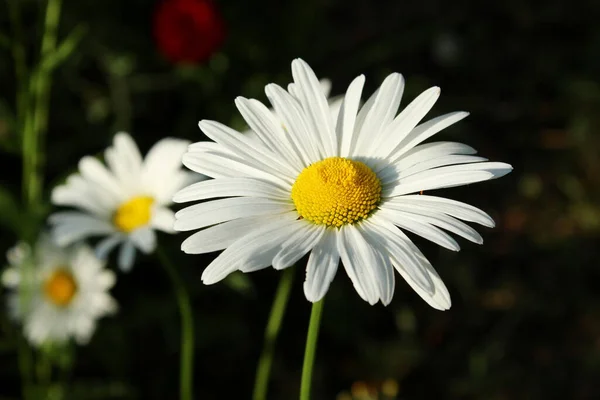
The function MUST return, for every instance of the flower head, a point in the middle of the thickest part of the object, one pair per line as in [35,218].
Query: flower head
[338,188]
[188,31]
[125,202]
[58,293]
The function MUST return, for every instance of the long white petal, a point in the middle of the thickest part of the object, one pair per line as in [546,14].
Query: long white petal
[223,235]
[399,250]
[205,159]
[295,247]
[454,208]
[305,139]
[397,131]
[246,148]
[441,220]
[217,211]
[444,177]
[382,269]
[106,245]
[425,131]
[315,105]
[321,267]
[226,187]
[126,256]
[269,129]
[418,226]
[385,107]
[71,226]
[347,117]
[161,165]
[251,252]
[163,219]
[357,257]
[144,239]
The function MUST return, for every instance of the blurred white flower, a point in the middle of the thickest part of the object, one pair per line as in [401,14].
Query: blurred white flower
[125,202]
[58,293]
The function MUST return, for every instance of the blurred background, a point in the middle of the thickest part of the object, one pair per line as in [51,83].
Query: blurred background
[525,320]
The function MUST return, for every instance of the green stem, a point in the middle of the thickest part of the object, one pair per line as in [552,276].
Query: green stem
[187,327]
[310,350]
[41,93]
[263,371]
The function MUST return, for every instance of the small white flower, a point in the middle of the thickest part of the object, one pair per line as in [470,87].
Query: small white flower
[340,188]
[58,293]
[125,202]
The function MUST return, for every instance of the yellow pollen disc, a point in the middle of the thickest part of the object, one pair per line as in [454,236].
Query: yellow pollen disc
[134,213]
[60,287]
[336,191]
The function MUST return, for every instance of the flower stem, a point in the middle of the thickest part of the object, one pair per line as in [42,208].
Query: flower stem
[265,361]
[310,350]
[187,327]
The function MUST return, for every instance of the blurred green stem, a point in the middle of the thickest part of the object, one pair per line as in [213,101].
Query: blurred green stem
[261,382]
[37,123]
[187,327]
[310,350]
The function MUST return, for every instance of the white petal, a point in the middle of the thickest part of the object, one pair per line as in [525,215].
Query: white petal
[382,268]
[399,251]
[106,245]
[217,211]
[126,256]
[440,162]
[299,244]
[440,299]
[223,235]
[93,171]
[423,132]
[144,239]
[358,257]
[454,208]
[380,115]
[226,187]
[315,106]
[161,166]
[441,220]
[247,149]
[420,154]
[416,225]
[397,131]
[163,219]
[322,266]
[78,192]
[347,117]
[204,159]
[125,160]
[71,226]
[251,252]
[444,177]
[304,139]
[269,129]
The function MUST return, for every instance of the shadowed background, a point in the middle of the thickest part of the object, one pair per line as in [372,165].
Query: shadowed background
[525,319]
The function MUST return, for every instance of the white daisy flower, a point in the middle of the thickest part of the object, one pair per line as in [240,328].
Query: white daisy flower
[126,201]
[58,293]
[342,188]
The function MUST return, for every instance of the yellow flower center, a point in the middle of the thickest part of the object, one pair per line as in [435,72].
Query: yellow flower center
[133,213]
[60,287]
[336,191]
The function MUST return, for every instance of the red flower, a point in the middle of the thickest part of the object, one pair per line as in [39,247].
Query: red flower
[188,31]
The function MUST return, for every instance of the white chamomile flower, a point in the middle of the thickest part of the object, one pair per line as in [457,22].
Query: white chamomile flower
[344,188]
[125,202]
[58,293]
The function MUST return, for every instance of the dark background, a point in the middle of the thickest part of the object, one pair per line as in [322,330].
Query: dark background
[525,320]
